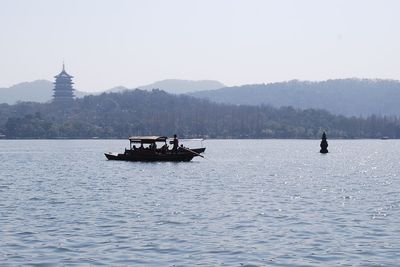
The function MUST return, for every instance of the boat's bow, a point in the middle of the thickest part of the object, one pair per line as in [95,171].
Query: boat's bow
[111,156]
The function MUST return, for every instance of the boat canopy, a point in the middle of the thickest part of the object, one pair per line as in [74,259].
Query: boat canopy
[147,139]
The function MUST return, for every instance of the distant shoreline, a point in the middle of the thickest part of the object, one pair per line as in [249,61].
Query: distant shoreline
[213,139]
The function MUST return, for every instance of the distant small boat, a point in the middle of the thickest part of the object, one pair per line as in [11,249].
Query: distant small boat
[384,138]
[148,151]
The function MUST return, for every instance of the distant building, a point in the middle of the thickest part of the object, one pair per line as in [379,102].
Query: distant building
[63,91]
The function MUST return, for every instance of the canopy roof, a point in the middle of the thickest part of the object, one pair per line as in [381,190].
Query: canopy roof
[147,139]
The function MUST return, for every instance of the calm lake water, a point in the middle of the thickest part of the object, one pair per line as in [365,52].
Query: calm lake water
[249,203]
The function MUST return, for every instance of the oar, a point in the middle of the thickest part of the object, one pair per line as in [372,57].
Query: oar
[191,151]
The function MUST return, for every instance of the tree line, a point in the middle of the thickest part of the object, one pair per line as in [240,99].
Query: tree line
[139,112]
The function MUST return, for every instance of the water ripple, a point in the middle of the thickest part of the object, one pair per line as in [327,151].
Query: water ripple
[251,203]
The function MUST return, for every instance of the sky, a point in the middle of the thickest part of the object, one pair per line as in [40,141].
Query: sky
[135,42]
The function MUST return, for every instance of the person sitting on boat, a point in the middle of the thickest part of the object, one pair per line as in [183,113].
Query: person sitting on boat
[164,148]
[153,147]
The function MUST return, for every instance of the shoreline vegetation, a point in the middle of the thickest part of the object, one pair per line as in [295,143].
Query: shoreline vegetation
[140,112]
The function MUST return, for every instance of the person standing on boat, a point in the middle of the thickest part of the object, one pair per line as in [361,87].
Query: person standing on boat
[175,143]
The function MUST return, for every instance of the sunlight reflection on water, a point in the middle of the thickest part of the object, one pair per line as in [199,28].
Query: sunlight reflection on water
[249,203]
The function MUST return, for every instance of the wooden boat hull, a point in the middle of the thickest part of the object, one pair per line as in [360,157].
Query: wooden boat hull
[153,156]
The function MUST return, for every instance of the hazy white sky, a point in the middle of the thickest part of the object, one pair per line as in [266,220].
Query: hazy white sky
[131,43]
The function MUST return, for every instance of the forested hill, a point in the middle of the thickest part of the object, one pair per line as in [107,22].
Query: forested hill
[119,115]
[346,96]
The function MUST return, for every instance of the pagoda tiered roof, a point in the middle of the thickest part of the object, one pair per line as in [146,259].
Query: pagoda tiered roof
[63,74]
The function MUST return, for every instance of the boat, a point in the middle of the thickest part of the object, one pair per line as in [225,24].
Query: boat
[147,150]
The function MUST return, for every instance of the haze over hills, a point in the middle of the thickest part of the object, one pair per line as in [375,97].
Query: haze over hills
[342,96]
[175,86]
[41,90]
[36,91]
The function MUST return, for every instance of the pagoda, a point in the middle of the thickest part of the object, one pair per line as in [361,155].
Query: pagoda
[324,144]
[63,91]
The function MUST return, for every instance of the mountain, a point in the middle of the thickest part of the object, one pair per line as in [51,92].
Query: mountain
[36,91]
[350,97]
[117,89]
[41,90]
[175,86]
[140,112]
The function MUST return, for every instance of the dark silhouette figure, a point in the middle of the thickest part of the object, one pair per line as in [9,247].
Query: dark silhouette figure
[324,144]
[175,143]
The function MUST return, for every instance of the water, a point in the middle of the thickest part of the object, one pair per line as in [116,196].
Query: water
[250,203]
